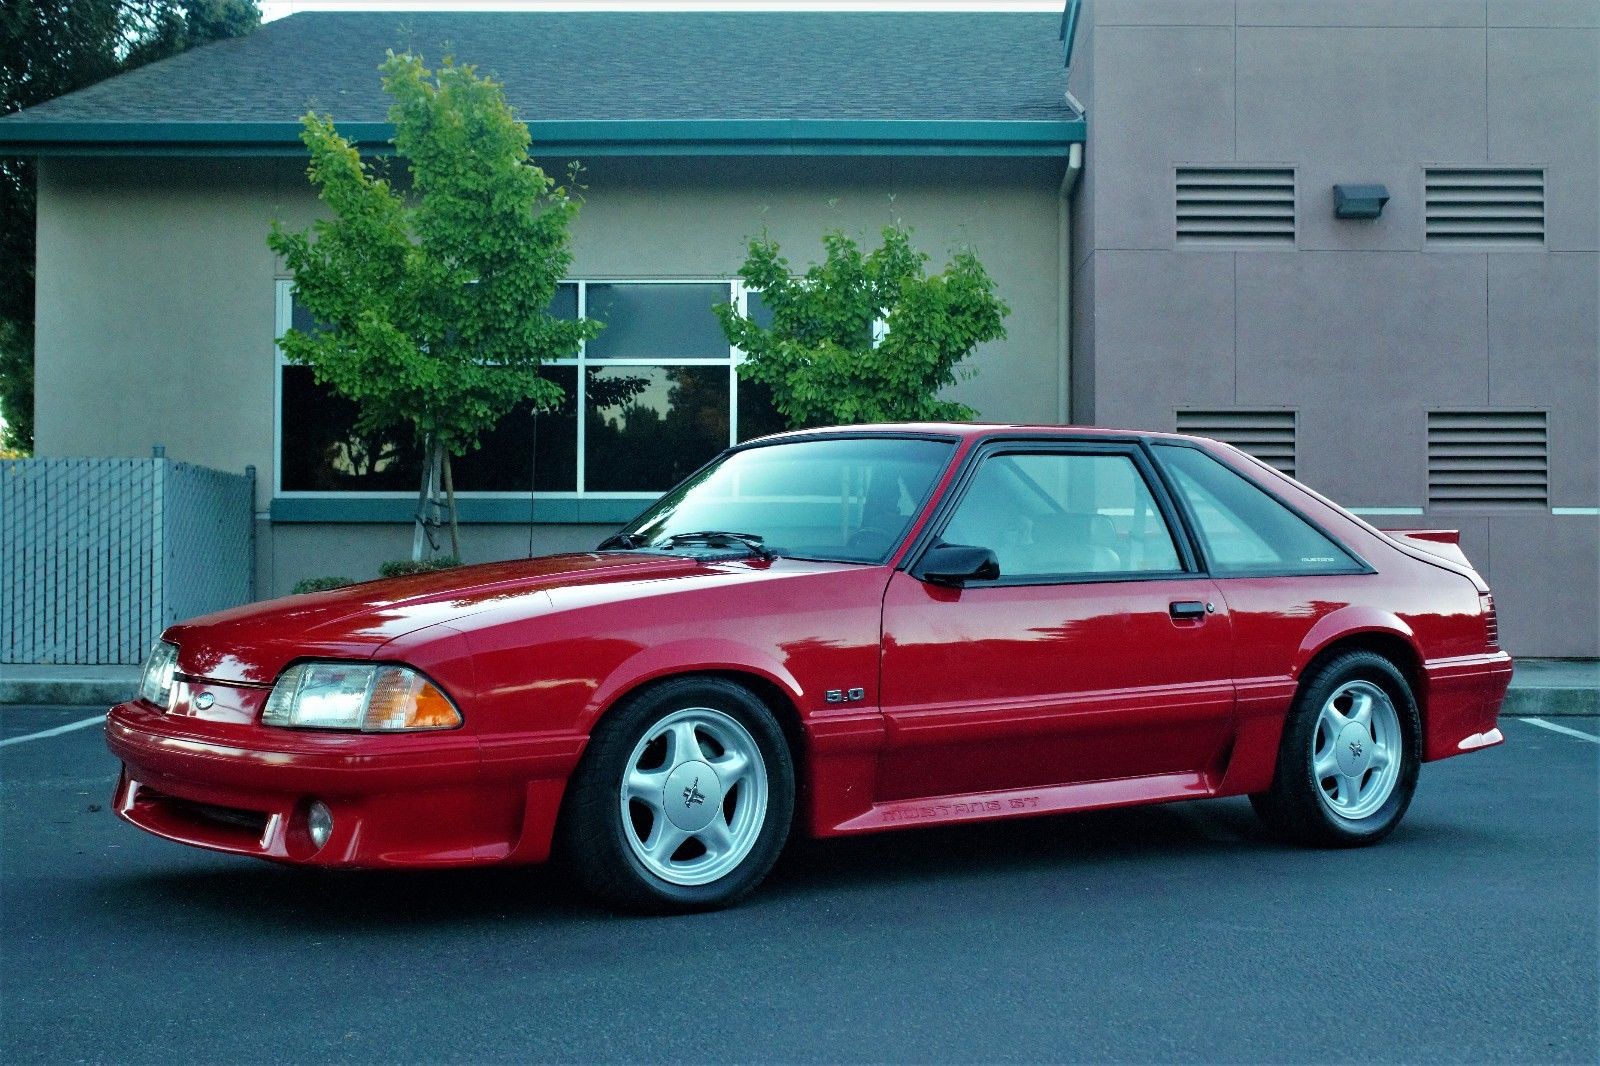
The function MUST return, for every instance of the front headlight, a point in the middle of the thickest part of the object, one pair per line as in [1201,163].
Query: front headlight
[370,697]
[155,680]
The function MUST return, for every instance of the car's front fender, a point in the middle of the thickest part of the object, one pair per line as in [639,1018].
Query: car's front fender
[700,656]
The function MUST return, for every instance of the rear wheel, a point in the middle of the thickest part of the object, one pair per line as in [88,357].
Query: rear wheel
[683,800]
[1348,762]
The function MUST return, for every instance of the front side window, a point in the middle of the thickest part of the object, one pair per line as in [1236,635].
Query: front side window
[1064,514]
[648,401]
[841,499]
[1243,530]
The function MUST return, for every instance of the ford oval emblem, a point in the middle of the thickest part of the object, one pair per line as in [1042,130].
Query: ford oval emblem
[204,701]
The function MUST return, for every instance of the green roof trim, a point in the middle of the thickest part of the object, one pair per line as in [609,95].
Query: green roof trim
[599,137]
[504,510]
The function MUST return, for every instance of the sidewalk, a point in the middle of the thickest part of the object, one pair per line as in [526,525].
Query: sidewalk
[1540,687]
[1546,687]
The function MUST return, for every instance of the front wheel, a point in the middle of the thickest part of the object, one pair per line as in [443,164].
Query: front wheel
[1348,763]
[683,799]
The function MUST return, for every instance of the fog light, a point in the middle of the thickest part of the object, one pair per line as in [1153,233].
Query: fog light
[319,820]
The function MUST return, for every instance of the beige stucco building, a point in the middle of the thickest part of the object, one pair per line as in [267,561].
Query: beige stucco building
[157,278]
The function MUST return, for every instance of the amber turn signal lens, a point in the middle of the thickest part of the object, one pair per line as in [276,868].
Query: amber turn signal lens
[404,700]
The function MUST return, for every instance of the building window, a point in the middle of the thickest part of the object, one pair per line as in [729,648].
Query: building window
[660,394]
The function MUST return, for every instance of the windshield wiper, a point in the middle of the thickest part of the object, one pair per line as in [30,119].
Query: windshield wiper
[624,541]
[752,541]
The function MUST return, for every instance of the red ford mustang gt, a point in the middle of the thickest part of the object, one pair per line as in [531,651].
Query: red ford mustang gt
[855,630]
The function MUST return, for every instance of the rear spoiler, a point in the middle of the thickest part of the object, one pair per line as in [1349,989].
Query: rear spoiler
[1444,543]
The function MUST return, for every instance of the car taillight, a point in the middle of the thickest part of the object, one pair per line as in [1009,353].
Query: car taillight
[1491,621]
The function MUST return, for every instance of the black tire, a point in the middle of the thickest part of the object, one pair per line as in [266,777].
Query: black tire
[1293,807]
[592,836]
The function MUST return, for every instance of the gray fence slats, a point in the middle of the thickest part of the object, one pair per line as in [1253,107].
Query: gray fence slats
[97,556]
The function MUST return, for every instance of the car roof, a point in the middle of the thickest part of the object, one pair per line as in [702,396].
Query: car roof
[966,430]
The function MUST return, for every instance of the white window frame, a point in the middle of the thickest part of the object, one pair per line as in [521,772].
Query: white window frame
[738,295]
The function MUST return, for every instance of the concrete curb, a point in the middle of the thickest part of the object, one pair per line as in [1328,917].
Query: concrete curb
[1551,702]
[67,686]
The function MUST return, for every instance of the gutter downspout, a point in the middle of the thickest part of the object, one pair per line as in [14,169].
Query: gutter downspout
[1069,182]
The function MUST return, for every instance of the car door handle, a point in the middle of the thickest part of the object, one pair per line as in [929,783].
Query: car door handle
[1187,609]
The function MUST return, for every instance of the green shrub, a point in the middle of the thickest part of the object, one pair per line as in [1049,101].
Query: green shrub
[401,567]
[320,584]
[864,336]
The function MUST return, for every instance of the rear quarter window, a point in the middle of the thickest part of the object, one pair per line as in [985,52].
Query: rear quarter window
[1242,529]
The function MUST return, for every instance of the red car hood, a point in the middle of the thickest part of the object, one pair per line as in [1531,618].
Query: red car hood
[253,643]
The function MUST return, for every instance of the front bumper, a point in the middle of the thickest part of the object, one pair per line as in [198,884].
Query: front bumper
[403,800]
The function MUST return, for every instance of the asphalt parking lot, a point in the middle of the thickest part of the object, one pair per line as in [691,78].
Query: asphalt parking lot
[1164,933]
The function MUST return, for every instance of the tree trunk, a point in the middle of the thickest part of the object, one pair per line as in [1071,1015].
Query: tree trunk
[450,502]
[424,495]
[435,465]
[533,478]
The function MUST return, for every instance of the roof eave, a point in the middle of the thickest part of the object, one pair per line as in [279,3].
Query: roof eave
[620,137]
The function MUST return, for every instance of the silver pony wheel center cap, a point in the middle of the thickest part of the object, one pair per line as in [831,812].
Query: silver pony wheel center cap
[1353,749]
[693,796]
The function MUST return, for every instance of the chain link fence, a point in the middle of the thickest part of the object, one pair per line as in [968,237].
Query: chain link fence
[98,556]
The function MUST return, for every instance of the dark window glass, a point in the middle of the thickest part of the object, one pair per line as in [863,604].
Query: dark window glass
[657,321]
[757,416]
[321,451]
[1242,529]
[565,303]
[850,500]
[650,427]
[508,457]
[301,319]
[1062,513]
[756,309]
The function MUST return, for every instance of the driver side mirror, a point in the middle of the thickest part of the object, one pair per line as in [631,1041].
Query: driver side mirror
[956,564]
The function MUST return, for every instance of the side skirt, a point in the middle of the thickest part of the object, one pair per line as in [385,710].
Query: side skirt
[1013,803]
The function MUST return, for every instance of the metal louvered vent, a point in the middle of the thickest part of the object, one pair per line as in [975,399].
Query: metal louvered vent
[1488,459]
[1236,205]
[1502,206]
[1267,435]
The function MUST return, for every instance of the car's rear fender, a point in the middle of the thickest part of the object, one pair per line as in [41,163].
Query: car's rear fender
[1376,630]
[1359,625]
[1255,751]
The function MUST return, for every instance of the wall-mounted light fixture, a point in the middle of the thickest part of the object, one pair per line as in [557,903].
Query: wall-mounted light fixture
[1359,201]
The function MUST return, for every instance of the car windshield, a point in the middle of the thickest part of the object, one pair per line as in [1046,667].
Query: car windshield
[838,499]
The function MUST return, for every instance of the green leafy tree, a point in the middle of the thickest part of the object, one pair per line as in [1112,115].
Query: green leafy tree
[49,48]
[864,337]
[434,308]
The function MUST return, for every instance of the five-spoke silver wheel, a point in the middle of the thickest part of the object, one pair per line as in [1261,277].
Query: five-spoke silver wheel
[693,796]
[1356,750]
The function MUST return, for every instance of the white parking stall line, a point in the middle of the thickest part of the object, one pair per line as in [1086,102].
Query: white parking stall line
[56,732]
[1561,729]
